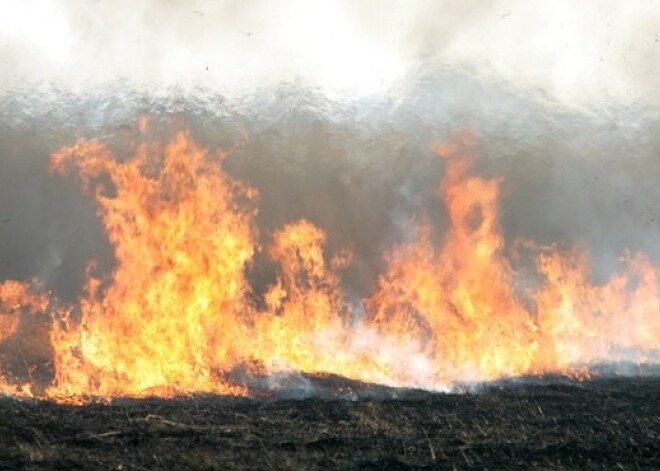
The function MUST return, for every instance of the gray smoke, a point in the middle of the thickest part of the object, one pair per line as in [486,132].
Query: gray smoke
[360,169]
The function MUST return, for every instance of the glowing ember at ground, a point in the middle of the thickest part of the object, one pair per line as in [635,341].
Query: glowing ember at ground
[178,314]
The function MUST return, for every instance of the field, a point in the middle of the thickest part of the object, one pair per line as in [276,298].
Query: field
[334,423]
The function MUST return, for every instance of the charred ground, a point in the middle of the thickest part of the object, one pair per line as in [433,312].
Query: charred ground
[603,423]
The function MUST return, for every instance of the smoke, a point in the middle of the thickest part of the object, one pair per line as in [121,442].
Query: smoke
[330,110]
[363,170]
[581,55]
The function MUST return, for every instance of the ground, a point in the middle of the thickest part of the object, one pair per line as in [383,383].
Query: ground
[550,423]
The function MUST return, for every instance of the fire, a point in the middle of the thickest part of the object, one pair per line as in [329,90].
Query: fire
[177,299]
[12,296]
[16,300]
[583,323]
[458,299]
[178,315]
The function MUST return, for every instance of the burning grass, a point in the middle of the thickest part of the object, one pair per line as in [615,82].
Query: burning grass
[549,423]
[178,313]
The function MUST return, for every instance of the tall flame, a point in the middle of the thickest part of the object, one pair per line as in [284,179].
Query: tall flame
[458,299]
[176,302]
[461,299]
[177,314]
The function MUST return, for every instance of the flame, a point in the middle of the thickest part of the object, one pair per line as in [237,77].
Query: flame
[583,323]
[177,300]
[16,300]
[12,297]
[461,301]
[458,299]
[177,314]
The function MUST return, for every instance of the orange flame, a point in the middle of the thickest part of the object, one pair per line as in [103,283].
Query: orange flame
[16,300]
[458,300]
[177,314]
[176,302]
[461,301]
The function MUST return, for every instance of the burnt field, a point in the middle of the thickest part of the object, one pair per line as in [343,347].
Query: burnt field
[603,423]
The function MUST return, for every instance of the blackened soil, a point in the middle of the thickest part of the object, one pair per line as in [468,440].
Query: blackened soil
[607,423]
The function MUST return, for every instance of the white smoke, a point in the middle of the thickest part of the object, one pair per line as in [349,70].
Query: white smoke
[580,54]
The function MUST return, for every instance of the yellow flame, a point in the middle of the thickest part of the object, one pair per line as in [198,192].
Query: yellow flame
[177,314]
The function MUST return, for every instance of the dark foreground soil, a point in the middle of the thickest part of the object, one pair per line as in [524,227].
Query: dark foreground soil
[613,423]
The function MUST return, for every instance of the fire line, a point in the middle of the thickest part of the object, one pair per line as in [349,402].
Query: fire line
[177,314]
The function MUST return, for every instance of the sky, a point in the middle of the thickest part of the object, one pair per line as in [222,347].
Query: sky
[578,53]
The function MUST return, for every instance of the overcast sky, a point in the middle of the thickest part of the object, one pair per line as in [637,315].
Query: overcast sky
[579,52]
